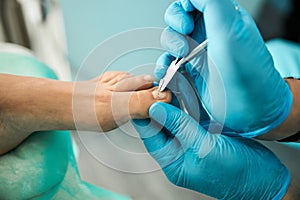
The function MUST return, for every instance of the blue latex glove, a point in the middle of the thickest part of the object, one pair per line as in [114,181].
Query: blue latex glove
[236,78]
[216,165]
[286,56]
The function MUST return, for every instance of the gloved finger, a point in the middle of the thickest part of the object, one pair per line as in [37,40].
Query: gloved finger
[175,101]
[198,66]
[178,19]
[187,5]
[162,64]
[220,6]
[190,99]
[132,83]
[219,17]
[181,21]
[175,43]
[151,134]
[199,33]
[184,96]
[163,148]
[181,125]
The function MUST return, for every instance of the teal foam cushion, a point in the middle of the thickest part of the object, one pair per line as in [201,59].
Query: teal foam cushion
[24,65]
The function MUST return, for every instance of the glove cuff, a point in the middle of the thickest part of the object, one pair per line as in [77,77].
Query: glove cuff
[286,108]
[284,188]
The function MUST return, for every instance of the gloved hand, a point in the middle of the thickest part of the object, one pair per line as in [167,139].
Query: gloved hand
[236,78]
[214,164]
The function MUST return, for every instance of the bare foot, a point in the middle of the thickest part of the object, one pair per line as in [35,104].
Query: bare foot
[118,98]
[142,100]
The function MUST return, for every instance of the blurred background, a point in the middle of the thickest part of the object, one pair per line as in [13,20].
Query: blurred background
[62,34]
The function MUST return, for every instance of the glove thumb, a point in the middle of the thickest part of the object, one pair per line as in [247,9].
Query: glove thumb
[178,123]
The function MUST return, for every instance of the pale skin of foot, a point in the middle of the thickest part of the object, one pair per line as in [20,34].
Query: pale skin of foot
[29,104]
